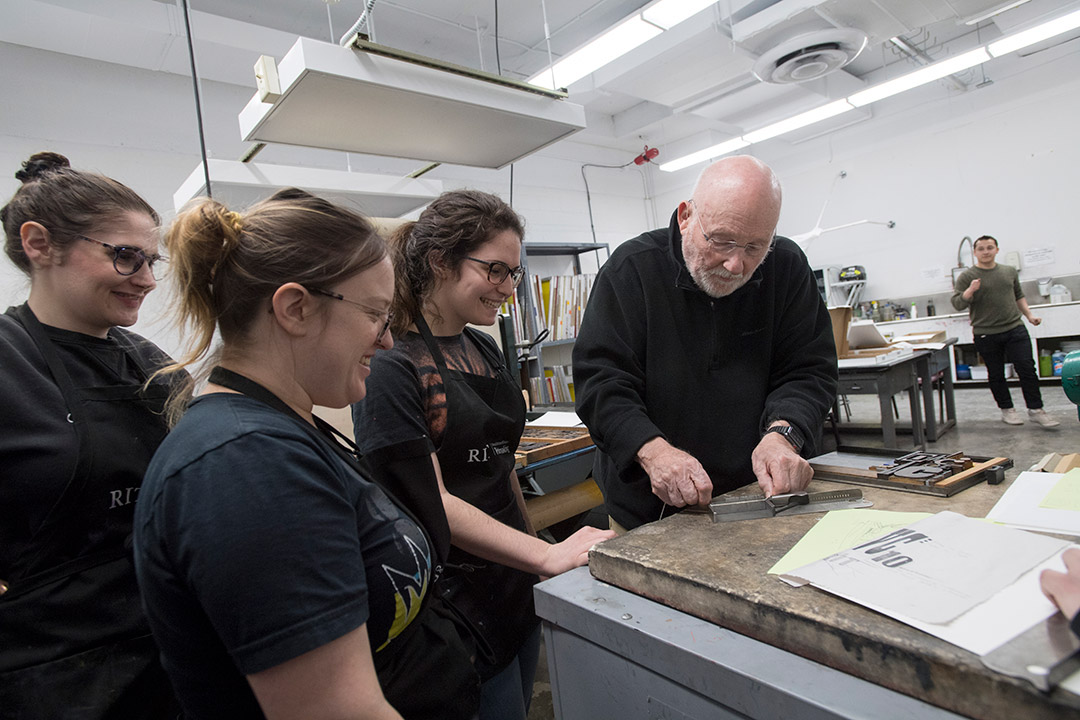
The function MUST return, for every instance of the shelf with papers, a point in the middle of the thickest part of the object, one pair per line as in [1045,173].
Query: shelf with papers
[549,308]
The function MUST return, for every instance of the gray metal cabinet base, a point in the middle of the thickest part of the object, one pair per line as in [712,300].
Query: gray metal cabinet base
[614,655]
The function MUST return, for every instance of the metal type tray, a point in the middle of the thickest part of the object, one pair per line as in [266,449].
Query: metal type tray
[857,465]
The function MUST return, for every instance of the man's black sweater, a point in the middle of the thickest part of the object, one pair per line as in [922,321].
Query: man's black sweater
[657,357]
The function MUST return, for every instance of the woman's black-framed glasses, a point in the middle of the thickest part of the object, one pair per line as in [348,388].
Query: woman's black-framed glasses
[127,260]
[384,316]
[498,271]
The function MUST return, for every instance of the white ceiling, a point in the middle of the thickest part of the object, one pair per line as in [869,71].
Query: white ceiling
[689,87]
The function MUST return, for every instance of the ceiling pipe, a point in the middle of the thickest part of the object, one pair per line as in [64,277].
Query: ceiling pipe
[920,57]
[358,24]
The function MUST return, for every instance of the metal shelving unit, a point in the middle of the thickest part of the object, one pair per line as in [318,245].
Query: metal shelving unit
[534,359]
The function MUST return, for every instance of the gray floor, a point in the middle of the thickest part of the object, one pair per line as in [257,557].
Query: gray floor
[979,431]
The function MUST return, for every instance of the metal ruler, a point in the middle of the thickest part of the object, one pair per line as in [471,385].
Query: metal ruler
[758,506]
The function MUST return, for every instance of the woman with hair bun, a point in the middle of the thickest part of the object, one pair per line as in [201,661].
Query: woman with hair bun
[445,386]
[278,579]
[79,425]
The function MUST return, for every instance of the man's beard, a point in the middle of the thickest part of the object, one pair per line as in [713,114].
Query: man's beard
[715,282]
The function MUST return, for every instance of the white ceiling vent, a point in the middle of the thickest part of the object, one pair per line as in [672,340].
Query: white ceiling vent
[809,56]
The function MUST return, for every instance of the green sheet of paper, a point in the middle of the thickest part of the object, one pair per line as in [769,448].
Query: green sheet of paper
[840,530]
[1065,495]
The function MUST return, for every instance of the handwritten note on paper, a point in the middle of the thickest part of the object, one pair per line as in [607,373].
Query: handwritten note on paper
[1065,495]
[842,529]
[932,570]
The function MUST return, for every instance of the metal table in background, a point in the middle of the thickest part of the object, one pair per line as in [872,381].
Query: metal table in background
[886,379]
[929,363]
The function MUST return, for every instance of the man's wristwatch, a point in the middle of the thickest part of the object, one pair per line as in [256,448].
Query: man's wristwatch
[790,433]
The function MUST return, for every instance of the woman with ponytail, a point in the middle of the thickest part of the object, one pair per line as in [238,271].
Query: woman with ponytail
[79,425]
[278,579]
[445,386]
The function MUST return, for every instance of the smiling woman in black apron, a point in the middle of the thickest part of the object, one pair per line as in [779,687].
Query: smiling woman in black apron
[278,579]
[77,430]
[446,384]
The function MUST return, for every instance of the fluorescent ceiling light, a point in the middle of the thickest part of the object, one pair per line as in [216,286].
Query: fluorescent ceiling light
[669,13]
[801,120]
[920,77]
[616,42]
[724,148]
[1036,34]
[240,185]
[889,88]
[339,98]
[996,11]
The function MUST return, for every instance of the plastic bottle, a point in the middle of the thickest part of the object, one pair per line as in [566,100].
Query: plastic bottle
[914,311]
[1046,365]
[1057,359]
[930,311]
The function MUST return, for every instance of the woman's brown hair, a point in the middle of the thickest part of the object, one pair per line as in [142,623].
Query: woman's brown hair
[448,230]
[228,265]
[66,202]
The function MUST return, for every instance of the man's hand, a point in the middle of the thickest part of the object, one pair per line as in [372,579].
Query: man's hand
[1034,320]
[1063,589]
[779,469]
[677,477]
[972,288]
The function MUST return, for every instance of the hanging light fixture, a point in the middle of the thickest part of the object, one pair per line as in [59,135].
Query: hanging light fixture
[369,99]
[240,184]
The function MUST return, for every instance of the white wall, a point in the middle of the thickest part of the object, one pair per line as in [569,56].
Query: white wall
[1002,160]
[139,127]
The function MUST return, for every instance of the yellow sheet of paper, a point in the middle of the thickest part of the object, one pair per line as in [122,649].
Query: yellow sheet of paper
[840,530]
[1065,495]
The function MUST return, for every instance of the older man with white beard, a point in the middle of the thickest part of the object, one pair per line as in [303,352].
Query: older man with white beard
[705,360]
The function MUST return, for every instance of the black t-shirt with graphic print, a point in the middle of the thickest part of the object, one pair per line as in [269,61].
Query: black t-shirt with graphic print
[255,544]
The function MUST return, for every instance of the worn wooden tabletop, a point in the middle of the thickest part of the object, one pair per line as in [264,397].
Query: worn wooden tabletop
[718,572]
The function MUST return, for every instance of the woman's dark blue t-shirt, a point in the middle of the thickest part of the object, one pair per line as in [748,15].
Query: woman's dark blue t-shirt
[255,543]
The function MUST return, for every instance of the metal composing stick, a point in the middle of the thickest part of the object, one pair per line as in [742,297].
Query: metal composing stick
[758,506]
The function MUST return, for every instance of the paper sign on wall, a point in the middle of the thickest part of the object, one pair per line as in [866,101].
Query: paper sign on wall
[1038,256]
[933,274]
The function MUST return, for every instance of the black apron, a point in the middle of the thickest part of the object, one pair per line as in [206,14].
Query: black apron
[429,672]
[485,418]
[74,642]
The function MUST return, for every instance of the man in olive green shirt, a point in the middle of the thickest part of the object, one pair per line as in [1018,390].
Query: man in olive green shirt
[991,293]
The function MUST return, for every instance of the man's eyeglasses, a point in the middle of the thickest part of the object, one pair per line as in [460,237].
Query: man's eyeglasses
[381,316]
[498,271]
[726,248]
[127,260]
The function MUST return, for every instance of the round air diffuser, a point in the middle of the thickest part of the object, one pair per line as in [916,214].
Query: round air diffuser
[809,56]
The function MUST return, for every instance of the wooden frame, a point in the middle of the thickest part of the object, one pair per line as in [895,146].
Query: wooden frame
[540,443]
[853,465]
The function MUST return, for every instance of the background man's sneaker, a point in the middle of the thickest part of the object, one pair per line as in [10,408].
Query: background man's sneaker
[1042,418]
[1010,416]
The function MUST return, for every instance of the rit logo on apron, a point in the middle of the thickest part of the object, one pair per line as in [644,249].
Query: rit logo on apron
[483,454]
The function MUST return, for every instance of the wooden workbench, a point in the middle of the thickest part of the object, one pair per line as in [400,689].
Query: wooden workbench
[718,572]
